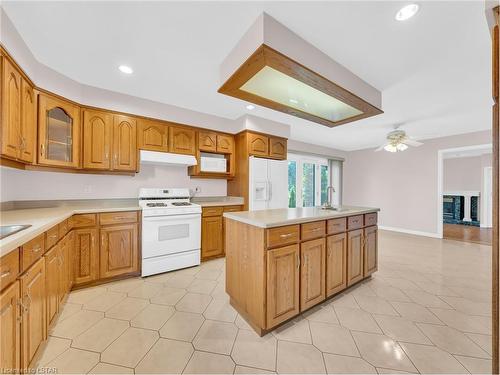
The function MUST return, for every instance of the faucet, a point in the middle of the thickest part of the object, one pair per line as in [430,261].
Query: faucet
[329,191]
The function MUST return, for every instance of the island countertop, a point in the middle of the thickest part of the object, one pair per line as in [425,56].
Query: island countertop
[286,216]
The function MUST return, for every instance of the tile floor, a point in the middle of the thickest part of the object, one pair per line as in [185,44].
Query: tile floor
[427,310]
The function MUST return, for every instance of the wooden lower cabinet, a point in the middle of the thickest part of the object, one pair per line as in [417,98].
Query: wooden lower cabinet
[52,268]
[312,273]
[283,282]
[10,328]
[355,265]
[86,256]
[211,237]
[33,304]
[336,256]
[371,250]
[119,251]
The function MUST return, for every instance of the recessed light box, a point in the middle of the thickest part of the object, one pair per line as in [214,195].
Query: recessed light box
[273,67]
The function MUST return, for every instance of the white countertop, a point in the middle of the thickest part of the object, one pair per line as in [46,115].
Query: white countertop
[287,216]
[42,219]
[218,201]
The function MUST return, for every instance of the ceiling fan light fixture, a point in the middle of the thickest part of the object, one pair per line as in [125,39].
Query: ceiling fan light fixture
[402,147]
[390,148]
[407,12]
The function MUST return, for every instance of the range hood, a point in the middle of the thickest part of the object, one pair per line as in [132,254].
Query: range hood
[166,158]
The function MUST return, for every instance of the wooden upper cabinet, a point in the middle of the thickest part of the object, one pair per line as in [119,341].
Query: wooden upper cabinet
[282,284]
[152,135]
[277,148]
[97,128]
[10,328]
[371,250]
[34,322]
[85,256]
[11,110]
[207,141]
[124,143]
[58,132]
[355,263]
[312,273]
[258,144]
[225,143]
[28,123]
[336,256]
[119,251]
[182,140]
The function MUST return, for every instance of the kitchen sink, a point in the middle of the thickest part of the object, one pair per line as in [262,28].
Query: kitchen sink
[331,208]
[8,230]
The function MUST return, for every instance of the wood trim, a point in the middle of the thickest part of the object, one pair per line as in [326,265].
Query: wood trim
[267,56]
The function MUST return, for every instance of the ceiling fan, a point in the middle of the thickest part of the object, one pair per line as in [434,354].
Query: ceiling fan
[397,140]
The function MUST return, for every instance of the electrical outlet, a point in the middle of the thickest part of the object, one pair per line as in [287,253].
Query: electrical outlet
[87,189]
[197,189]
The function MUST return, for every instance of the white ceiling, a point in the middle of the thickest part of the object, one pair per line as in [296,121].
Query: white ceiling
[433,70]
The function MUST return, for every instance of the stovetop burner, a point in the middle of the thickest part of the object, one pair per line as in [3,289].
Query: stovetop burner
[181,204]
[156,204]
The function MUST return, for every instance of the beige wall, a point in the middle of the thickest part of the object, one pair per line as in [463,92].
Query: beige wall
[462,174]
[404,184]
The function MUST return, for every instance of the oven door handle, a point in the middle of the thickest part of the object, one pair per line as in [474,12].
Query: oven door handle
[181,217]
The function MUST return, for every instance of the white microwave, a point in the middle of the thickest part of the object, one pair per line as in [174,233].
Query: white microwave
[212,164]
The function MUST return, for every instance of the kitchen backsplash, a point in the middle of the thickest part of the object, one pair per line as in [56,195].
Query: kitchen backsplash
[30,185]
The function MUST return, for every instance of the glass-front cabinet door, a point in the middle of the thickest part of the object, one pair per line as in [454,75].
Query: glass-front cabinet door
[59,132]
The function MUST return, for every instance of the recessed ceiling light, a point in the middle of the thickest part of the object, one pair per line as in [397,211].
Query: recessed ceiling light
[250,107]
[125,69]
[407,12]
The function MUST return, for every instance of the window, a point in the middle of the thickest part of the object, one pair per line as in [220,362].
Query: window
[308,181]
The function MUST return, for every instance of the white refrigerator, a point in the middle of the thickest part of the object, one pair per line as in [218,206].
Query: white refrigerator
[268,184]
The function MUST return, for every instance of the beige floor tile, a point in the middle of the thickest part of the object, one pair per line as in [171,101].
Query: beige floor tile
[357,320]
[69,309]
[209,363]
[484,341]
[182,326]
[390,293]
[436,288]
[125,286]
[415,312]
[427,299]
[432,360]
[250,370]
[146,290]
[475,365]
[295,330]
[165,357]
[54,347]
[98,337]
[168,296]
[388,371]
[104,301]
[241,323]
[254,351]
[74,361]
[83,296]
[340,364]
[323,313]
[375,305]
[453,341]
[333,339]
[401,329]
[473,294]
[202,286]
[127,308]
[159,279]
[130,347]
[405,285]
[221,310]
[361,289]
[345,301]
[382,351]
[193,302]
[152,317]
[464,322]
[219,292]
[208,274]
[106,368]
[191,271]
[295,358]
[76,324]
[215,337]
[468,306]
[179,281]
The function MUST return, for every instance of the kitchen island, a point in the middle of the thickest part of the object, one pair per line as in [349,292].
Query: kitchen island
[282,262]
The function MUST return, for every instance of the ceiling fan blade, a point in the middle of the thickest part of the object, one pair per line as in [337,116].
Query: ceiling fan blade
[411,142]
[381,147]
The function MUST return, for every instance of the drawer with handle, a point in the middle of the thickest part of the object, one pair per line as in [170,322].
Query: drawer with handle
[212,211]
[51,237]
[280,236]
[233,208]
[118,217]
[83,221]
[355,222]
[312,230]
[370,219]
[32,251]
[334,226]
[9,268]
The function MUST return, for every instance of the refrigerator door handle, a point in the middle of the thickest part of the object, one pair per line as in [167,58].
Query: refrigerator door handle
[269,191]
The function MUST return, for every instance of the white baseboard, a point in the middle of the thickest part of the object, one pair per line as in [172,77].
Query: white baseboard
[409,231]
[485,226]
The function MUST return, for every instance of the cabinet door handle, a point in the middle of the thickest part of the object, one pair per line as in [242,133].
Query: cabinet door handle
[286,235]
[298,261]
[41,149]
[315,229]
[37,249]
[5,274]
[106,155]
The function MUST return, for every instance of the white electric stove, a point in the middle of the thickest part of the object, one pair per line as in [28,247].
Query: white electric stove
[171,230]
